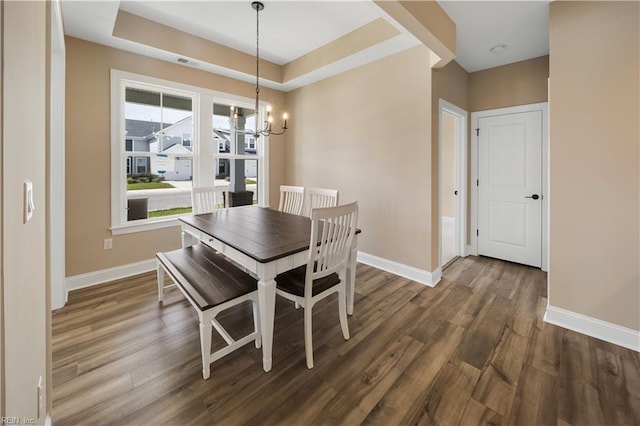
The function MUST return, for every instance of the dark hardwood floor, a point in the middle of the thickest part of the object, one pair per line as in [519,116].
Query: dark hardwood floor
[473,350]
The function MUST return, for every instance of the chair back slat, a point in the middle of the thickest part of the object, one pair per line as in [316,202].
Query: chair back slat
[207,199]
[332,231]
[291,199]
[318,198]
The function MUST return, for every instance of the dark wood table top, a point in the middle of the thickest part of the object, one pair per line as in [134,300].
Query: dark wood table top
[260,233]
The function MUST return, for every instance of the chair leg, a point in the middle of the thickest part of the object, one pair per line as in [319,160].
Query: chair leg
[160,282]
[342,310]
[256,323]
[205,344]
[308,342]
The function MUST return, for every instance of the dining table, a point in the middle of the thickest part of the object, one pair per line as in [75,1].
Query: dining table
[266,242]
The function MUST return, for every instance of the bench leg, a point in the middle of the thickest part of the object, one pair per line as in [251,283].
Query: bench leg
[205,344]
[160,282]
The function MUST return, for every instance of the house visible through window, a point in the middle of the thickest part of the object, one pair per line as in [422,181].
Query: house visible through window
[157,123]
[154,140]
[237,157]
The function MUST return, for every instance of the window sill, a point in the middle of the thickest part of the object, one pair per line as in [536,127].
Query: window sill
[131,228]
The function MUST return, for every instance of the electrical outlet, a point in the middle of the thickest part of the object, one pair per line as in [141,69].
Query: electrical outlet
[108,243]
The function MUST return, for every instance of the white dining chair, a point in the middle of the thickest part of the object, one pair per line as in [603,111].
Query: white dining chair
[319,197]
[206,199]
[332,231]
[291,199]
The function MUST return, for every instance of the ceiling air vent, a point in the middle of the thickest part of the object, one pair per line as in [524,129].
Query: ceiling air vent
[183,60]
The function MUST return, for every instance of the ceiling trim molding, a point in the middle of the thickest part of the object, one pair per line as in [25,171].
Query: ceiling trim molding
[140,30]
[428,22]
[368,35]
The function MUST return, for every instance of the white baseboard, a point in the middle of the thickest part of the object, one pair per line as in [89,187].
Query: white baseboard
[612,333]
[423,277]
[105,275]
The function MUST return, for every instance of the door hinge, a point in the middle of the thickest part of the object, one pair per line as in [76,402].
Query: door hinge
[478,132]
[477,233]
[477,182]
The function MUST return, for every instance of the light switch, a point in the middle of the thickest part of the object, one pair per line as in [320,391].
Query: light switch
[28,201]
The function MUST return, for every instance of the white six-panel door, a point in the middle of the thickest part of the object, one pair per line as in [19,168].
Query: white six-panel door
[510,187]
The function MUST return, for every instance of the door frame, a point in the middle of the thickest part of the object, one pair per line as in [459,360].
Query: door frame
[56,162]
[475,116]
[460,207]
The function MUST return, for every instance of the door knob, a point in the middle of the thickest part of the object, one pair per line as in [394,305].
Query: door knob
[534,196]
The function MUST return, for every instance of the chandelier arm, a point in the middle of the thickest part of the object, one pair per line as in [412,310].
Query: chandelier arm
[272,133]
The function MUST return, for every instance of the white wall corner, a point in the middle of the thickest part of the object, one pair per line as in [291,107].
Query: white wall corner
[421,276]
[612,333]
[105,275]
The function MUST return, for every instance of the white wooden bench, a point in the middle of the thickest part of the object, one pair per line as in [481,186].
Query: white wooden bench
[211,284]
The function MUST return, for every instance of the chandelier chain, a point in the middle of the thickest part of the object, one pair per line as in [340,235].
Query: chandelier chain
[257,56]
[233,112]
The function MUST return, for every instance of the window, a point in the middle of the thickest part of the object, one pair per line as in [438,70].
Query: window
[141,166]
[238,161]
[249,143]
[157,127]
[186,140]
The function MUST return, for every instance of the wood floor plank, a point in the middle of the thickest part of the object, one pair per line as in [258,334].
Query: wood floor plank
[631,375]
[407,398]
[69,411]
[374,382]
[484,334]
[472,350]
[450,394]
[614,398]
[536,399]
[497,386]
[476,414]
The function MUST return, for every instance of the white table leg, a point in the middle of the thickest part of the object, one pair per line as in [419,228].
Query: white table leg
[351,274]
[160,275]
[267,300]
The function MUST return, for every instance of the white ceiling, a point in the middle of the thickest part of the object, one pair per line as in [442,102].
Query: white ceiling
[522,26]
[289,29]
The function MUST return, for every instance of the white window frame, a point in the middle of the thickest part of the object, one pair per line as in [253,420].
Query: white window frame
[204,154]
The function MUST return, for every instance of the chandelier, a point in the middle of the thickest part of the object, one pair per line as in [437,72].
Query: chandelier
[233,112]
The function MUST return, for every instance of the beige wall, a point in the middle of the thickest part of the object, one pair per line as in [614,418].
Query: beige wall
[594,265]
[88,149]
[519,83]
[24,51]
[367,133]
